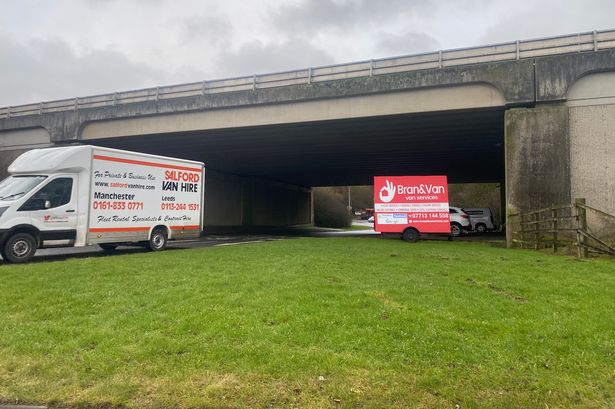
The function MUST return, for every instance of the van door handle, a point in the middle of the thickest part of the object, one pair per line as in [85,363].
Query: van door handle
[70,211]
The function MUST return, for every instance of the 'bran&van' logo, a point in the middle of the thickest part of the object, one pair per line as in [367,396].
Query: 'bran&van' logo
[387,193]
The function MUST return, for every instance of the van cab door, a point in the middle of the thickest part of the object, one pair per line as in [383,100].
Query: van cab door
[53,210]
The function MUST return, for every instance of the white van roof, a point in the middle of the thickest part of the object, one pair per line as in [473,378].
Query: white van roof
[68,159]
[49,160]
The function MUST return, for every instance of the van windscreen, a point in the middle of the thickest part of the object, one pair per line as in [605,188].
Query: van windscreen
[14,187]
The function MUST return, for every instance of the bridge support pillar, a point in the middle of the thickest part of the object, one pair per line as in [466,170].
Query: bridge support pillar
[537,150]
[15,142]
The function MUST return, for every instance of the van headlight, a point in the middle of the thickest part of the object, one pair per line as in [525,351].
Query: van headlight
[3,209]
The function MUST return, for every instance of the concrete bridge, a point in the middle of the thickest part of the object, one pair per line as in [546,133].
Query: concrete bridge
[537,116]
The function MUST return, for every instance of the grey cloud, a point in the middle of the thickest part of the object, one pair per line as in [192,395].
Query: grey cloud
[256,57]
[35,70]
[103,3]
[311,16]
[548,18]
[405,43]
[214,29]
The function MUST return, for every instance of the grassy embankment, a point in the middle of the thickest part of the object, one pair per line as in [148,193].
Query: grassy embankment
[311,323]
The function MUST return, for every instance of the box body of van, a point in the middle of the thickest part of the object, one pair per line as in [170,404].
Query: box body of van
[411,205]
[83,195]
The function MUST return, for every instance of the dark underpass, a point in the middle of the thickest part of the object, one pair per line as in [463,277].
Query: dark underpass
[466,145]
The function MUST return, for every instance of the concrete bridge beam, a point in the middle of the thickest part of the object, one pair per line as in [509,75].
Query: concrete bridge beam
[514,80]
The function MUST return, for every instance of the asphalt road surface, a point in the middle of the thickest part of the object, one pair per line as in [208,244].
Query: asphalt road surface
[208,240]
[211,240]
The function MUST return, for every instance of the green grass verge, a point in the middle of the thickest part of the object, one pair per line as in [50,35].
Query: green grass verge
[311,323]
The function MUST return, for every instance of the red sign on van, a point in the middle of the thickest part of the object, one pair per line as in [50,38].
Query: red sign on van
[411,201]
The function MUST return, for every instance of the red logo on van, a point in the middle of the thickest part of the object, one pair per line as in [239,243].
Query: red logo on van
[48,218]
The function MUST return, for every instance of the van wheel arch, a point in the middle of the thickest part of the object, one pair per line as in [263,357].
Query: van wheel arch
[22,228]
[158,238]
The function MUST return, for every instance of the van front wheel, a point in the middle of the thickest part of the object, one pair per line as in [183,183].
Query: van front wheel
[19,248]
[158,240]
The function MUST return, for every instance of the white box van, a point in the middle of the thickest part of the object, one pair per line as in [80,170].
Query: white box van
[83,195]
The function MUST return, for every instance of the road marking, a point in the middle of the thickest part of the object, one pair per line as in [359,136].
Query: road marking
[239,242]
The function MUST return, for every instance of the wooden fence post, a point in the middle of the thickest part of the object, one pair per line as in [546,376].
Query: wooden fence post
[536,227]
[554,225]
[582,227]
[522,229]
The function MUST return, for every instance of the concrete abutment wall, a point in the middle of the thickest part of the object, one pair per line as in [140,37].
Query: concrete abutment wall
[537,152]
[561,151]
[591,104]
[537,146]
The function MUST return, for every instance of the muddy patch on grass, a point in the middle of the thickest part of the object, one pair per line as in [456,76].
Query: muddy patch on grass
[384,299]
[497,290]
[506,293]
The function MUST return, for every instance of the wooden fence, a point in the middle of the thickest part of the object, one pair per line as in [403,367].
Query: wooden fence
[559,226]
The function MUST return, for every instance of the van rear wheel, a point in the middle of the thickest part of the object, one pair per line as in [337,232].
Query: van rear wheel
[455,229]
[19,248]
[158,240]
[410,235]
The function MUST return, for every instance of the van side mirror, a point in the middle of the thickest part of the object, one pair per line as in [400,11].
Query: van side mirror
[47,204]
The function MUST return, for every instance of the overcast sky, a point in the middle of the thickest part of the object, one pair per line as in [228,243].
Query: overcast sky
[52,49]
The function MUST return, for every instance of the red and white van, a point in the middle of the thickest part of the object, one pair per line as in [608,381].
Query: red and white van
[411,205]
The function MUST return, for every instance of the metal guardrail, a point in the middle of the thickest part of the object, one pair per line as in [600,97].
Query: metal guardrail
[573,43]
